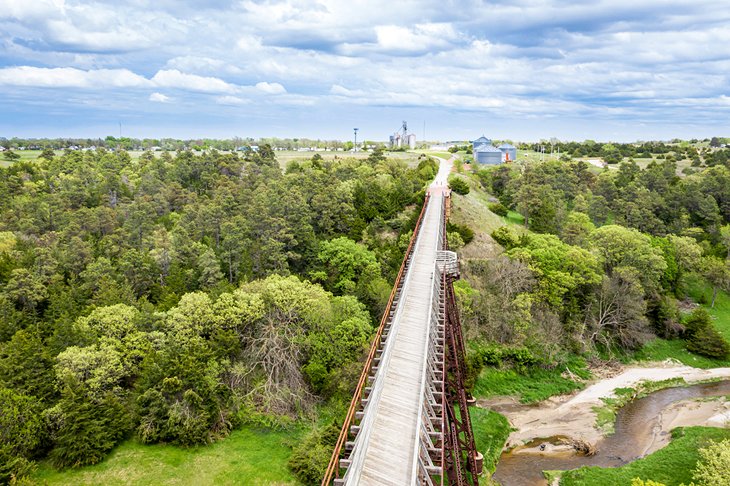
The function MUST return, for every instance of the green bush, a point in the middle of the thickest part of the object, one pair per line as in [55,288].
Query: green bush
[310,458]
[499,209]
[466,233]
[703,338]
[507,237]
[459,185]
[714,464]
[86,430]
[21,431]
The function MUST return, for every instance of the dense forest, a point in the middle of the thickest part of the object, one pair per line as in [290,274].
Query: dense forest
[600,265]
[173,298]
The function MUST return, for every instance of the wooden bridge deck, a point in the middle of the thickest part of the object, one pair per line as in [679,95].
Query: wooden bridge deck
[389,448]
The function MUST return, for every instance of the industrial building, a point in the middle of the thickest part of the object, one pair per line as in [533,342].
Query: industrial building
[402,137]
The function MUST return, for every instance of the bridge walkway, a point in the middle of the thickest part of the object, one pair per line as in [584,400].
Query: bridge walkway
[388,441]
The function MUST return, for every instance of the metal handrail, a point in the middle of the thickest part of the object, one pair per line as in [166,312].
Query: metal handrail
[333,466]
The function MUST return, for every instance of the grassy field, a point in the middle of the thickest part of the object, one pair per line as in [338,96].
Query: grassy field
[490,433]
[531,387]
[672,465]
[472,210]
[247,456]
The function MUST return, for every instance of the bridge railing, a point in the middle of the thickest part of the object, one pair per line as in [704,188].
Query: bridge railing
[431,416]
[371,362]
[431,419]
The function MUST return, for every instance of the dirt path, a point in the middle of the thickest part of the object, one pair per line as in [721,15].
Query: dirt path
[573,415]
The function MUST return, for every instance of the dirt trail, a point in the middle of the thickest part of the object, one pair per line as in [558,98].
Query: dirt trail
[573,415]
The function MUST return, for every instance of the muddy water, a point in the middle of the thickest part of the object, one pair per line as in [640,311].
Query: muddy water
[636,429]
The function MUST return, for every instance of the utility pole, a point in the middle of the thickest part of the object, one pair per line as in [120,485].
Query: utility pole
[356,129]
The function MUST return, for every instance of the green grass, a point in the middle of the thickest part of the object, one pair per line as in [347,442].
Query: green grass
[662,349]
[514,217]
[535,385]
[491,431]
[443,155]
[672,465]
[247,456]
[700,291]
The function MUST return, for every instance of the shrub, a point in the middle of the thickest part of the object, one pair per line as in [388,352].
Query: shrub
[21,431]
[466,233]
[499,209]
[86,430]
[459,185]
[714,464]
[703,338]
[507,237]
[310,458]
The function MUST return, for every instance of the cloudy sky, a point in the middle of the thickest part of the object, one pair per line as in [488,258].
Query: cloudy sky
[523,69]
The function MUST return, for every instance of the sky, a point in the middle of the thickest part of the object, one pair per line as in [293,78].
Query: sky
[610,70]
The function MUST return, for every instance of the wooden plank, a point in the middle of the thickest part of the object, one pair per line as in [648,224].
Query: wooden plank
[389,450]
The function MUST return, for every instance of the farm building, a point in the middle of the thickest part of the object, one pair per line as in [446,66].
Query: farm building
[509,151]
[487,154]
[481,141]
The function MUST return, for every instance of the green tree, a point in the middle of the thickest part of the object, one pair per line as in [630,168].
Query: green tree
[25,365]
[347,263]
[458,185]
[11,156]
[84,430]
[210,268]
[25,289]
[311,456]
[577,228]
[618,246]
[702,336]
[717,272]
[21,434]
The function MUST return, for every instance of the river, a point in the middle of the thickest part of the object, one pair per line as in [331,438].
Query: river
[635,431]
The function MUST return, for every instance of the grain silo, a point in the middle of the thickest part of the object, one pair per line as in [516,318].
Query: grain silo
[412,141]
[487,154]
[481,141]
[509,151]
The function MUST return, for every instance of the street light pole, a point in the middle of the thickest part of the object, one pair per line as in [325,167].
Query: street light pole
[356,129]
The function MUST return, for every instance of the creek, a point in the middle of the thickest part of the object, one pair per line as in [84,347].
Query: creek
[637,427]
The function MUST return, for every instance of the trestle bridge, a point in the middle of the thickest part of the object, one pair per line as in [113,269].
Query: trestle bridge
[408,422]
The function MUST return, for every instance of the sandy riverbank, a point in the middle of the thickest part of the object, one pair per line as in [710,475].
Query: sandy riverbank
[573,415]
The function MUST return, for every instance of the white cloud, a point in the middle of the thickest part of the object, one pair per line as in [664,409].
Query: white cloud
[270,88]
[602,59]
[70,78]
[232,100]
[249,43]
[421,37]
[160,98]
[202,64]
[338,90]
[31,10]
[172,78]
[30,76]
